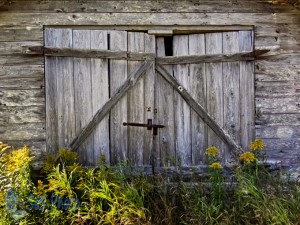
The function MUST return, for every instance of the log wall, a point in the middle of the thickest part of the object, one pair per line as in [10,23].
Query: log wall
[277,76]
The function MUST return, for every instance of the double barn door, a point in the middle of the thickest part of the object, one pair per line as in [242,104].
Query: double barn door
[147,100]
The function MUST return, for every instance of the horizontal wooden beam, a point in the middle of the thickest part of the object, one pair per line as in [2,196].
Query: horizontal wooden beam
[140,56]
[87,53]
[101,113]
[235,149]
[191,59]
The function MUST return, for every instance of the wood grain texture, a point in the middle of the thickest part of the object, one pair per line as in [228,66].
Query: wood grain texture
[198,92]
[23,131]
[34,97]
[100,95]
[118,114]
[108,106]
[215,87]
[165,114]
[83,94]
[90,19]
[149,100]
[247,91]
[86,53]
[136,105]
[22,114]
[193,58]
[231,90]
[236,150]
[182,110]
[51,94]
[147,6]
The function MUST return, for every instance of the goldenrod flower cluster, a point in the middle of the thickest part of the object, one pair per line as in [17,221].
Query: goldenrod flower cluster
[40,188]
[248,157]
[257,145]
[215,165]
[212,151]
[16,159]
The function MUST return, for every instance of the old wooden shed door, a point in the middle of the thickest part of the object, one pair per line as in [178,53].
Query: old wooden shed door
[172,94]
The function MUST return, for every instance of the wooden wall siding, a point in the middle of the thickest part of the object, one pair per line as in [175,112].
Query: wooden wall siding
[276,25]
[151,6]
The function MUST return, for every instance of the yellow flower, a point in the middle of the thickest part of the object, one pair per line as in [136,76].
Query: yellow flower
[248,157]
[212,151]
[2,198]
[40,188]
[257,144]
[216,165]
[15,160]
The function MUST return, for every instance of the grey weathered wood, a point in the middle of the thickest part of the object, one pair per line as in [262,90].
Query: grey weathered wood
[22,83]
[100,95]
[148,6]
[198,92]
[166,32]
[193,58]
[277,119]
[22,114]
[149,91]
[35,97]
[247,90]
[182,110]
[136,105]
[164,104]
[10,47]
[87,53]
[277,88]
[119,93]
[20,59]
[21,33]
[51,36]
[23,131]
[236,150]
[288,104]
[64,96]
[267,72]
[83,95]
[24,71]
[231,78]
[215,104]
[78,19]
[118,114]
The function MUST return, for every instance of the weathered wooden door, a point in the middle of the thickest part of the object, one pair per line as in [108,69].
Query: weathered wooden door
[93,91]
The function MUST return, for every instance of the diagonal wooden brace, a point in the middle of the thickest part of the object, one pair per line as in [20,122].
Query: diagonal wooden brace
[236,149]
[101,113]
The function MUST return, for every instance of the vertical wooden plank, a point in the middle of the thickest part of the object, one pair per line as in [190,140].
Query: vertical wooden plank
[118,115]
[247,90]
[83,93]
[182,110]
[51,96]
[100,95]
[136,104]
[231,79]
[149,82]
[214,87]
[59,90]
[198,92]
[164,100]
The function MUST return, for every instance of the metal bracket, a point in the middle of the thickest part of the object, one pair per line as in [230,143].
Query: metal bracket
[149,126]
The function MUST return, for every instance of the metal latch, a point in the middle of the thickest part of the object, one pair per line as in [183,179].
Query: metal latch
[149,125]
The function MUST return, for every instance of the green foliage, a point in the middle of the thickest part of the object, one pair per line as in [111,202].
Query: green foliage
[105,195]
[123,196]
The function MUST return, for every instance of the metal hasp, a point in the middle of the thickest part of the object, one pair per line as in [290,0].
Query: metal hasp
[149,125]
